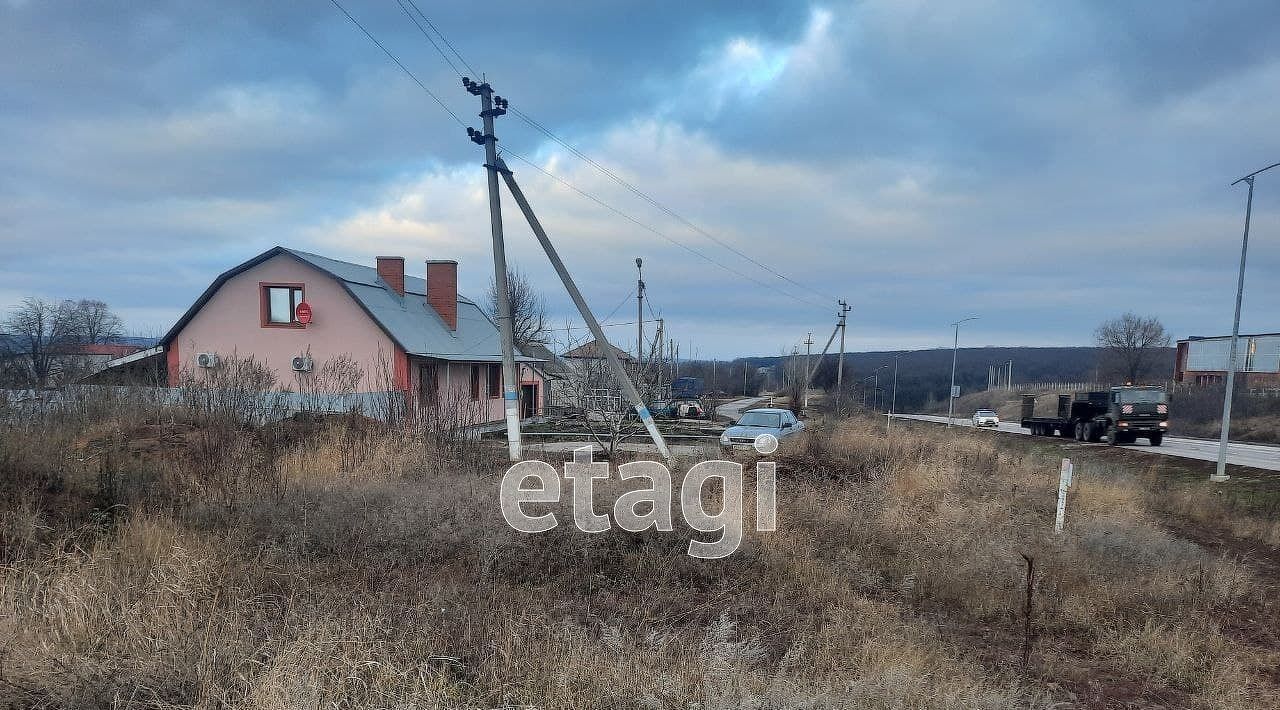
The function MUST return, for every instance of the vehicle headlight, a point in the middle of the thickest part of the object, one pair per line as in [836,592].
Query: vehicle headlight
[1164,423]
[724,438]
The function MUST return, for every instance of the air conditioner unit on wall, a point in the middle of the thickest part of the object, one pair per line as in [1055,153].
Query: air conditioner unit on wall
[207,360]
[303,363]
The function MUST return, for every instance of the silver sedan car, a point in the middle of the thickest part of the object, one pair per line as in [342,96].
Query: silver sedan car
[985,417]
[779,422]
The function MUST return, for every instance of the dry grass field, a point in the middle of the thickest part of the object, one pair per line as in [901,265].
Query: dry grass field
[165,559]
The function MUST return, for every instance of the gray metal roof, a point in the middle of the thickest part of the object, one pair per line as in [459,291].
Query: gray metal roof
[409,320]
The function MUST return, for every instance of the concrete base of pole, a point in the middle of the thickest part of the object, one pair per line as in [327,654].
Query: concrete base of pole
[1215,478]
[513,429]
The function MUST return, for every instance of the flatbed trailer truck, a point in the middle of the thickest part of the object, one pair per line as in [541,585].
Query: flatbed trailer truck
[1120,415]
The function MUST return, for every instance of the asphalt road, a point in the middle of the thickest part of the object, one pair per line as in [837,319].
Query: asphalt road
[1255,455]
[734,409]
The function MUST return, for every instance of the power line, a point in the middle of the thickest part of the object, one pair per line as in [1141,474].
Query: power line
[449,44]
[592,162]
[424,32]
[655,203]
[403,68]
[553,176]
[655,231]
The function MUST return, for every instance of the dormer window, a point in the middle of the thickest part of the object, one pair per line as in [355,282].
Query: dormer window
[280,305]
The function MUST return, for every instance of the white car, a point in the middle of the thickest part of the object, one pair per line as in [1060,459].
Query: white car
[985,417]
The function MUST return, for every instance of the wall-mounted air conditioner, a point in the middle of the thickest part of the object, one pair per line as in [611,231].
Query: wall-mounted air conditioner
[303,363]
[207,360]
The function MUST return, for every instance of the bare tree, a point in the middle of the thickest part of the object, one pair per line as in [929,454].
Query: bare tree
[96,322]
[1131,344]
[41,334]
[528,311]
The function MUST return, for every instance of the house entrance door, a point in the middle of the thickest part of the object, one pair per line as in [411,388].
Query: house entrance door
[528,401]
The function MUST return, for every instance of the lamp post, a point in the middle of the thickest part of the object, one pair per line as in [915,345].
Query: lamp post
[1220,474]
[955,349]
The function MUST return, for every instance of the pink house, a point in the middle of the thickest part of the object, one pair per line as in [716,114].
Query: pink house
[292,311]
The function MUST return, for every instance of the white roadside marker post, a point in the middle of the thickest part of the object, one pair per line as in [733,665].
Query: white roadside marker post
[1064,482]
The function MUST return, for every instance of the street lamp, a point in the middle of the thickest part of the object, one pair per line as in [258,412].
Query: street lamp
[1221,474]
[955,349]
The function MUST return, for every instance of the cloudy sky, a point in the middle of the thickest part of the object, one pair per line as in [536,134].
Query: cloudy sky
[1040,165]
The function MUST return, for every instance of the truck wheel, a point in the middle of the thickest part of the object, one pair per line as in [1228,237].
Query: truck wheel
[1113,436]
[1157,438]
[1095,433]
[1079,431]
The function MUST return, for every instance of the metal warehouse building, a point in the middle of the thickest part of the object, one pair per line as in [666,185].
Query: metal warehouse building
[1203,361]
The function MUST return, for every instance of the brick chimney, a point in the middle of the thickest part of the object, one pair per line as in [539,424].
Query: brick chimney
[442,289]
[391,270]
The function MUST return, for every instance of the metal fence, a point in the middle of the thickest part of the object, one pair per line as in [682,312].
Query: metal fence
[1060,386]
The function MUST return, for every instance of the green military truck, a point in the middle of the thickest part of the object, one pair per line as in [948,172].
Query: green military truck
[1121,415]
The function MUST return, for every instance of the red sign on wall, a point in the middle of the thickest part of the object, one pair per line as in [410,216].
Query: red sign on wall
[303,313]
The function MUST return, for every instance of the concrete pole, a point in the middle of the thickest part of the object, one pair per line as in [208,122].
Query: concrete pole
[893,403]
[619,372]
[844,310]
[808,354]
[658,367]
[640,312]
[951,393]
[875,393]
[510,378]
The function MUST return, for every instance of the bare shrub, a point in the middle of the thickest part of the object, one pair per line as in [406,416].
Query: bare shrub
[329,387]
[238,389]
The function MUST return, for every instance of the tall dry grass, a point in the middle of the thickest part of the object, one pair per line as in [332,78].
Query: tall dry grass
[375,571]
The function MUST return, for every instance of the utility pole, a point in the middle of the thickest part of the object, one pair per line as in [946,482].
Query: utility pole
[1220,474]
[844,311]
[671,360]
[490,107]
[955,350]
[893,403]
[794,373]
[875,393]
[808,353]
[659,369]
[640,311]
